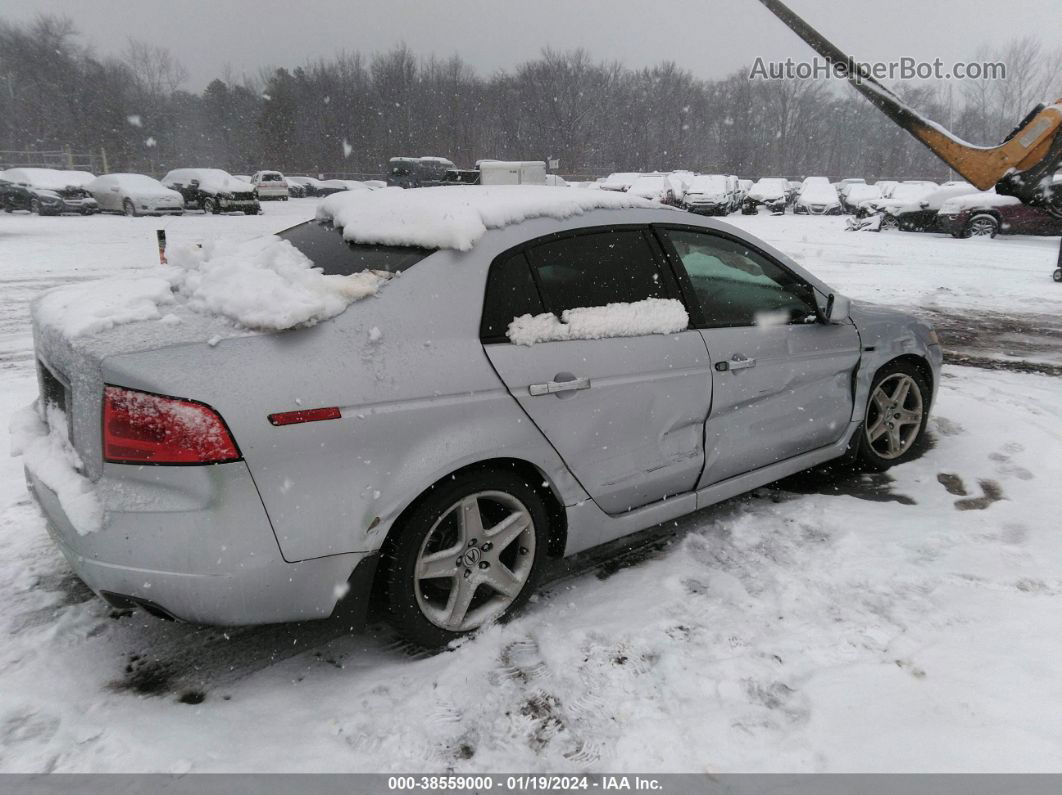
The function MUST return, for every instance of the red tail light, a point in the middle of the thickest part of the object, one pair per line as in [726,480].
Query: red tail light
[142,428]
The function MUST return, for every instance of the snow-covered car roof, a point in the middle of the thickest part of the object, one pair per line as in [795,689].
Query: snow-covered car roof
[816,192]
[131,182]
[702,183]
[935,199]
[621,180]
[988,198]
[860,192]
[211,179]
[456,217]
[48,178]
[769,188]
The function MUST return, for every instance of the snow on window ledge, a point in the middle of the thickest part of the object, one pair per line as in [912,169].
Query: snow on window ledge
[651,316]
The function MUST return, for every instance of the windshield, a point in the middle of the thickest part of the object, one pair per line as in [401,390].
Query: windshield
[326,248]
[712,183]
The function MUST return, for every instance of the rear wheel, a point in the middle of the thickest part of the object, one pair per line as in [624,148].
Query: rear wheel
[889,222]
[468,553]
[1057,275]
[896,417]
[981,226]
[210,206]
[35,207]
[129,208]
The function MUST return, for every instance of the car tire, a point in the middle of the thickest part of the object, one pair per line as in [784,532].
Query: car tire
[1057,275]
[982,225]
[210,206]
[885,441]
[492,579]
[889,222]
[35,207]
[129,208]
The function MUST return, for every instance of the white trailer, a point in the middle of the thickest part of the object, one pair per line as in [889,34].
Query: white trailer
[512,172]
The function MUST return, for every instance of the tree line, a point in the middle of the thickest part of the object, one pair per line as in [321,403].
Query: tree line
[350,113]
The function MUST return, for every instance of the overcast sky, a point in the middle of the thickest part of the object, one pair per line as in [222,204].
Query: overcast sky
[709,37]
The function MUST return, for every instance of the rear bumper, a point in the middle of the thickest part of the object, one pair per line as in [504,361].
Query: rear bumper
[194,542]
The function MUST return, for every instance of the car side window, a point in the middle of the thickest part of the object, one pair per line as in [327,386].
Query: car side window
[737,286]
[595,269]
[510,292]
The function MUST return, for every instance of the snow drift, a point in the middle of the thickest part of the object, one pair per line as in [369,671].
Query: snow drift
[263,285]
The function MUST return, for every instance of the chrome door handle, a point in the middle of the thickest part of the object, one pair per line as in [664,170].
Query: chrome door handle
[553,387]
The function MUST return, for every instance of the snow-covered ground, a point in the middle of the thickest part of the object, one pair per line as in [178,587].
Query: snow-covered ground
[901,622]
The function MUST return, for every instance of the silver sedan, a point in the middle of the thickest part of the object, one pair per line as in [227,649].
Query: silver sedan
[416,447]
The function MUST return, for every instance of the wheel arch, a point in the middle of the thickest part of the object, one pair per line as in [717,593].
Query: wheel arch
[535,478]
[920,363]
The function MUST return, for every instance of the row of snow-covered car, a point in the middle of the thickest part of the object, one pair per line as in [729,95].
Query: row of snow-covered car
[46,191]
[956,208]
[953,207]
[722,194]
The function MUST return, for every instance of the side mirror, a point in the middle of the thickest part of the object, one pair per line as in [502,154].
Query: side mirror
[838,308]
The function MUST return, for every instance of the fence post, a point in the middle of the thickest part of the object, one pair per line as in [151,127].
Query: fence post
[69,157]
[103,158]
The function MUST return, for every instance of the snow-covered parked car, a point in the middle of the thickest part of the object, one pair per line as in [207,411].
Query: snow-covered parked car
[817,197]
[46,191]
[301,187]
[620,180]
[920,215]
[270,185]
[662,188]
[899,195]
[857,194]
[771,192]
[213,190]
[710,194]
[260,429]
[135,194]
[986,214]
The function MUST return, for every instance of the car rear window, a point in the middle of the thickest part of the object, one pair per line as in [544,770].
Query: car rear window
[326,248]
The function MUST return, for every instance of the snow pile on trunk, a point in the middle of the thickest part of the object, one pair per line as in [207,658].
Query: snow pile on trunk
[651,316]
[456,217]
[264,284]
[77,310]
[47,453]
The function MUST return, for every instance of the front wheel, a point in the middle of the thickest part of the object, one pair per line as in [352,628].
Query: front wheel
[129,208]
[35,207]
[981,226]
[470,552]
[210,206]
[889,222]
[896,416]
[1057,275]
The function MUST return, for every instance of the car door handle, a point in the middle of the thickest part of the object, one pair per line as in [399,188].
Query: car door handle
[737,362]
[553,387]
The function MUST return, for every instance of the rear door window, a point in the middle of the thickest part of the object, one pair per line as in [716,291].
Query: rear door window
[324,245]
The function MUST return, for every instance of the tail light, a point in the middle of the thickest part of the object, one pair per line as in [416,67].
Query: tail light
[142,428]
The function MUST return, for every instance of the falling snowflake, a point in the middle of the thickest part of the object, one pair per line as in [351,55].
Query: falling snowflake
[134,119]
[347,148]
[150,142]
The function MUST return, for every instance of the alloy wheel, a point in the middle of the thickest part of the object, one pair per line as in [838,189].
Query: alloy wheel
[475,560]
[982,227]
[894,416]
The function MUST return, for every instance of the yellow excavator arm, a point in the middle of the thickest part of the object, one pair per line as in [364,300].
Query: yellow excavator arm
[1022,166]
